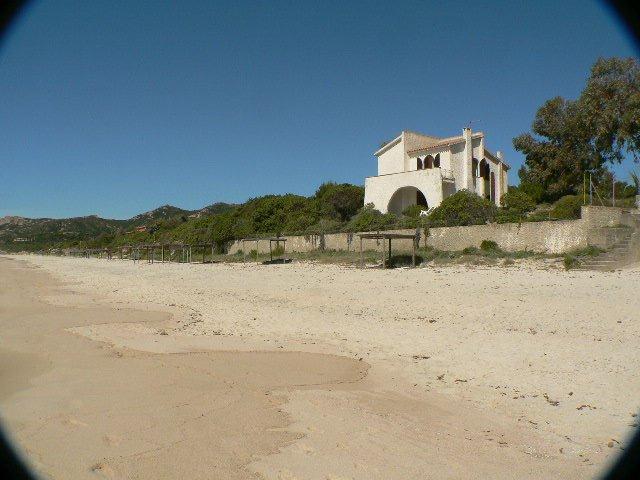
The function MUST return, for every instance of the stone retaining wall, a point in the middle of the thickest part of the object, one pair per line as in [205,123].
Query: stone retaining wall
[598,226]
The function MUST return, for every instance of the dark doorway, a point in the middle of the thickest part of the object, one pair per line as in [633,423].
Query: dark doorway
[493,187]
[421,200]
[428,162]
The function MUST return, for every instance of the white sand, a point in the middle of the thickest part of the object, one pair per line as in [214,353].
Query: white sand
[520,360]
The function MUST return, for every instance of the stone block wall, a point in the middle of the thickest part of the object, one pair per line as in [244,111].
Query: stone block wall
[598,226]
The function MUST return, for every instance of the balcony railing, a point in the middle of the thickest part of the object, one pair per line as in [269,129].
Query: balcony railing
[445,173]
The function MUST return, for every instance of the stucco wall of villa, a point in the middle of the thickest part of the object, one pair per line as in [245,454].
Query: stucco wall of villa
[379,190]
[392,160]
[598,226]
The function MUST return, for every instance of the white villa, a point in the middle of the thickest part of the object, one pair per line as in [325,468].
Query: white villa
[420,169]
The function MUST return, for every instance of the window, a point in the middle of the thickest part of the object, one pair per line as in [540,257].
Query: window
[428,162]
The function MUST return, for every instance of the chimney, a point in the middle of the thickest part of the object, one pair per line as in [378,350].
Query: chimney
[467,180]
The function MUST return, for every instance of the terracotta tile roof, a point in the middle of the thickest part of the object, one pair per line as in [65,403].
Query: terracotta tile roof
[445,142]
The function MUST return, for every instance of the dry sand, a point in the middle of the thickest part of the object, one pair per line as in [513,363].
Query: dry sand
[316,372]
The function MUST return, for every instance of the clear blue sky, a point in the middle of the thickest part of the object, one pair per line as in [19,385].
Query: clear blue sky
[116,107]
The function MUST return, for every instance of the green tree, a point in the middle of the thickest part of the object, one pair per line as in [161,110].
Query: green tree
[517,201]
[560,152]
[571,137]
[339,201]
[610,106]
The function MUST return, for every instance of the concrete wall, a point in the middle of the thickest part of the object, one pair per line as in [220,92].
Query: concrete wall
[392,160]
[379,190]
[599,226]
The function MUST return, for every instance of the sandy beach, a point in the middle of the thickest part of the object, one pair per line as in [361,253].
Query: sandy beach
[306,371]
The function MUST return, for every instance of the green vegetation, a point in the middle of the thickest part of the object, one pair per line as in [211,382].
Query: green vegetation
[635,177]
[331,209]
[574,259]
[516,204]
[567,207]
[462,208]
[572,137]
[489,246]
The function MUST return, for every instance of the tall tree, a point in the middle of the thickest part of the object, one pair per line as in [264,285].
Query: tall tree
[571,137]
[559,153]
[610,105]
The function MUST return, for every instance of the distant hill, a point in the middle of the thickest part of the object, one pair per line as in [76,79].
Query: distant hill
[217,208]
[17,233]
[331,208]
[32,234]
[164,212]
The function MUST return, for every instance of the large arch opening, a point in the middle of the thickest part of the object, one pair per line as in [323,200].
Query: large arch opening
[405,197]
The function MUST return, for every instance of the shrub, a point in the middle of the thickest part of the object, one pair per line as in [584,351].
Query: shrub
[324,225]
[517,201]
[506,216]
[516,204]
[470,250]
[570,262]
[489,246]
[413,211]
[568,207]
[340,201]
[369,219]
[462,208]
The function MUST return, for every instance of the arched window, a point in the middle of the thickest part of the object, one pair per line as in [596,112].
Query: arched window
[419,163]
[484,169]
[428,162]
[474,168]
[493,187]
[436,161]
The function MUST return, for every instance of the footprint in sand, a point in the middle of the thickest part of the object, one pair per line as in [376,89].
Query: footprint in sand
[304,448]
[74,422]
[103,470]
[112,440]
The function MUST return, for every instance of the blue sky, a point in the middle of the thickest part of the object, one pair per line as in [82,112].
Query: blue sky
[117,107]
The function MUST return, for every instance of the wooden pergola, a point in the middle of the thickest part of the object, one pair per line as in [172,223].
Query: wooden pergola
[271,240]
[388,236]
[186,250]
[134,251]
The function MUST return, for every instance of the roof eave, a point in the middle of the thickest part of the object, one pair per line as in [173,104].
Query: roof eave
[388,145]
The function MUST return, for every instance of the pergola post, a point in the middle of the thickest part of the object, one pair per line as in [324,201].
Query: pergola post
[257,251]
[270,251]
[383,253]
[413,253]
[361,255]
[389,249]
[204,249]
